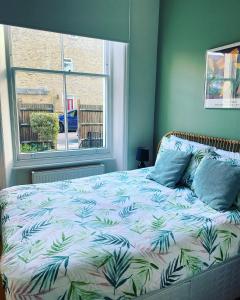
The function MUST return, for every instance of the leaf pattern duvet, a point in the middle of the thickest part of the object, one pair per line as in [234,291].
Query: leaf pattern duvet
[114,236]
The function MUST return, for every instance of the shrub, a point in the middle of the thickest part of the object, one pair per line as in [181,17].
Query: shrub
[35,147]
[25,148]
[46,126]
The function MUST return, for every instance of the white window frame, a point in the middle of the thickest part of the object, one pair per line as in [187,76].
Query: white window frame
[70,62]
[25,160]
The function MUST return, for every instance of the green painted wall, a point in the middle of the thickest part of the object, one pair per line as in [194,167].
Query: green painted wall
[187,29]
[142,75]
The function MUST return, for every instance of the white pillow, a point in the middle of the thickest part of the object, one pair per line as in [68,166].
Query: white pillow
[235,156]
[196,144]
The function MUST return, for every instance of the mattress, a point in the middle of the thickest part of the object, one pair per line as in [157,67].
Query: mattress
[113,236]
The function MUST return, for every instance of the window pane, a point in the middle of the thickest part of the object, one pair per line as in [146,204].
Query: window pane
[86,116]
[84,54]
[54,51]
[35,49]
[40,111]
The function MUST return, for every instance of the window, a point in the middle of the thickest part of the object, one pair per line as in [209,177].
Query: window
[70,103]
[50,122]
[67,64]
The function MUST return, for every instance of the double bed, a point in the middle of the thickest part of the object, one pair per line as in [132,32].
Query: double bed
[118,236]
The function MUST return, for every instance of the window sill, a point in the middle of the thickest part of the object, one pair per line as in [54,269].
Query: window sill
[60,162]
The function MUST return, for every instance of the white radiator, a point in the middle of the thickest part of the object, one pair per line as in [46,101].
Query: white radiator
[66,173]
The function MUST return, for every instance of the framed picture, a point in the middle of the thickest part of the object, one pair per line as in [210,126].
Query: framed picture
[222,83]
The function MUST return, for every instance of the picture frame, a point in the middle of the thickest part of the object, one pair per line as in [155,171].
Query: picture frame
[222,81]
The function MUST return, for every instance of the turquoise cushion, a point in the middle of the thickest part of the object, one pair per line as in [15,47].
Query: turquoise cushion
[217,183]
[231,157]
[169,167]
[197,150]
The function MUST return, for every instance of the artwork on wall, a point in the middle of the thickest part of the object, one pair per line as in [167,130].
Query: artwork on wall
[222,84]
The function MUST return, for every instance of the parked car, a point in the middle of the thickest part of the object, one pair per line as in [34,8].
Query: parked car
[71,120]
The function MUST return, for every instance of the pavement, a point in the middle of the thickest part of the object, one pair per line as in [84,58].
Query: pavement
[72,141]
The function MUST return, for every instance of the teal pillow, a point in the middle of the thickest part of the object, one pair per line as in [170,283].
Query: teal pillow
[169,167]
[197,150]
[231,157]
[217,183]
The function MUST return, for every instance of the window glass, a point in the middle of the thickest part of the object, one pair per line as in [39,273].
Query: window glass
[35,48]
[72,114]
[86,53]
[40,108]
[68,65]
[44,50]
[58,111]
[87,119]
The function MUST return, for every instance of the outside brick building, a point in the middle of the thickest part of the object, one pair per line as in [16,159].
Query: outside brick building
[54,51]
[39,88]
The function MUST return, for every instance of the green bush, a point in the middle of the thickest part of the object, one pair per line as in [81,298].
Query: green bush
[46,126]
[35,147]
[25,148]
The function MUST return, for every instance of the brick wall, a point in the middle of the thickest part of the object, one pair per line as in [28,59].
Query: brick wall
[40,49]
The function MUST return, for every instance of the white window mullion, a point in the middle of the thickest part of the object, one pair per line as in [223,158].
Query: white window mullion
[14,107]
[107,105]
[64,94]
[65,112]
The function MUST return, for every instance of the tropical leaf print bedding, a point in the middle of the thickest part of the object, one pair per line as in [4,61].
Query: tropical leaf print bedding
[115,236]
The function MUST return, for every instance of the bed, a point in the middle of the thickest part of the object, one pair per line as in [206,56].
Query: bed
[118,236]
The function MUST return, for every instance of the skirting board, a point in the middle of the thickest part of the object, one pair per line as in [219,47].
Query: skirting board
[221,282]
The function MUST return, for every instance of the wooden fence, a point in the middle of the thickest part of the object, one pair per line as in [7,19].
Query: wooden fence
[90,123]
[24,112]
[90,126]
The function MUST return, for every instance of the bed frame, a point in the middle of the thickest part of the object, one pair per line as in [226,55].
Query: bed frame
[220,282]
[221,143]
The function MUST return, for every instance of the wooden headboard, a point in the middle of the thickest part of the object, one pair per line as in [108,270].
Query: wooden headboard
[220,143]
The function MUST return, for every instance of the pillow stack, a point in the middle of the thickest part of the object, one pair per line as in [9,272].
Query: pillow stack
[196,150]
[213,174]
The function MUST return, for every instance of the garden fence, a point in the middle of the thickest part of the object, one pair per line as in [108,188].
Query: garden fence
[24,111]
[90,123]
